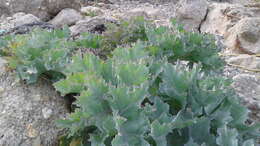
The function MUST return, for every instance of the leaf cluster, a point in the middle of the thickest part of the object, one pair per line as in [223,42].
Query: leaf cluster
[134,99]
[38,53]
[126,32]
[141,95]
[173,42]
[45,53]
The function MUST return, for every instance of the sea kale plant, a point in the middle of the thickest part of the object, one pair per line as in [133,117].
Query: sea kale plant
[40,52]
[124,33]
[173,42]
[134,99]
[177,44]
[45,53]
[4,41]
[155,87]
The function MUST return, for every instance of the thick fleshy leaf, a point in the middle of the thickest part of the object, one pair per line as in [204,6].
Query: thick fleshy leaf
[227,137]
[159,132]
[56,59]
[203,128]
[108,73]
[183,119]
[133,54]
[175,84]
[131,129]
[125,98]
[92,104]
[133,74]
[97,139]
[159,111]
[239,114]
[191,143]
[88,63]
[124,141]
[72,84]
[249,142]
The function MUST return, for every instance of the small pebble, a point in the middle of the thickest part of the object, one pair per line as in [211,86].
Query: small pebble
[46,112]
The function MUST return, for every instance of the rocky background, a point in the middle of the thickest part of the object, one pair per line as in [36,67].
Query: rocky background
[28,112]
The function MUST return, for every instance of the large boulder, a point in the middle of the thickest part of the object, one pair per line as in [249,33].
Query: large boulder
[238,24]
[247,86]
[44,9]
[28,113]
[191,13]
[244,37]
[67,16]
[25,19]
[17,19]
[223,16]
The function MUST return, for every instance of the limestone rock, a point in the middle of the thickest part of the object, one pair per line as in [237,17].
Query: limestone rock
[91,11]
[28,113]
[153,13]
[245,60]
[240,1]
[18,15]
[17,20]
[26,28]
[244,36]
[191,13]
[223,16]
[20,19]
[66,17]
[43,9]
[248,88]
